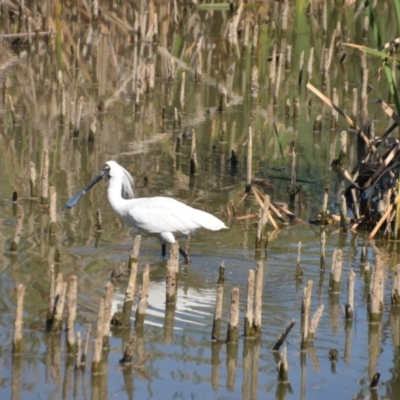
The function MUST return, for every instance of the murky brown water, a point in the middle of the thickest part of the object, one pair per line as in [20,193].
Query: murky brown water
[184,363]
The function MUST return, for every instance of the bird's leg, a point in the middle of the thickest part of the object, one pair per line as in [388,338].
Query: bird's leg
[186,252]
[184,255]
[163,250]
[187,244]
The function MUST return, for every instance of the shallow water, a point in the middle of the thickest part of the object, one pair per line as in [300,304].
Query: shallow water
[183,362]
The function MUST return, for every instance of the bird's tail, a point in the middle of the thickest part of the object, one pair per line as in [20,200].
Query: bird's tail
[210,222]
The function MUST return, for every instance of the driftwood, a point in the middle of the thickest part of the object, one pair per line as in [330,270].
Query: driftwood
[275,213]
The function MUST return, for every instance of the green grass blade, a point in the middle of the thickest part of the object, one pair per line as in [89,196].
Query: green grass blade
[370,50]
[372,23]
[392,86]
[397,6]
[214,6]
[387,69]
[280,145]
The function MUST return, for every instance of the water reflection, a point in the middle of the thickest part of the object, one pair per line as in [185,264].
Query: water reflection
[192,307]
[16,377]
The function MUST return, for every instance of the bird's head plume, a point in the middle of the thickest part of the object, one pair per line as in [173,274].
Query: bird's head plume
[113,170]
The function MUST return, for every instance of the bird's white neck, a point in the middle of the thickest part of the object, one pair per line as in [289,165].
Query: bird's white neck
[114,192]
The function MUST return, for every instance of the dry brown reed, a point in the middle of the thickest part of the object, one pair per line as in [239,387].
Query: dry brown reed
[272,68]
[32,179]
[284,335]
[368,177]
[336,271]
[249,317]
[108,297]
[17,339]
[172,274]
[249,161]
[71,313]
[283,366]
[143,297]
[18,230]
[122,319]
[349,309]
[45,178]
[305,309]
[314,322]
[78,117]
[98,340]
[193,155]
[59,303]
[233,325]
[218,303]
[395,295]
[53,210]
[376,291]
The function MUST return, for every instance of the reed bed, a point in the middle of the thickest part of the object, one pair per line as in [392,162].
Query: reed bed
[98,81]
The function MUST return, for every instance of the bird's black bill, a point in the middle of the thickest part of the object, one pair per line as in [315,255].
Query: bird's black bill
[73,201]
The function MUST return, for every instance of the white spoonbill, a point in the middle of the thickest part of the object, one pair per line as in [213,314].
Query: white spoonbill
[163,217]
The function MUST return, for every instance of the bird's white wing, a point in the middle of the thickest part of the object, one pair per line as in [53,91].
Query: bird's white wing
[163,214]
